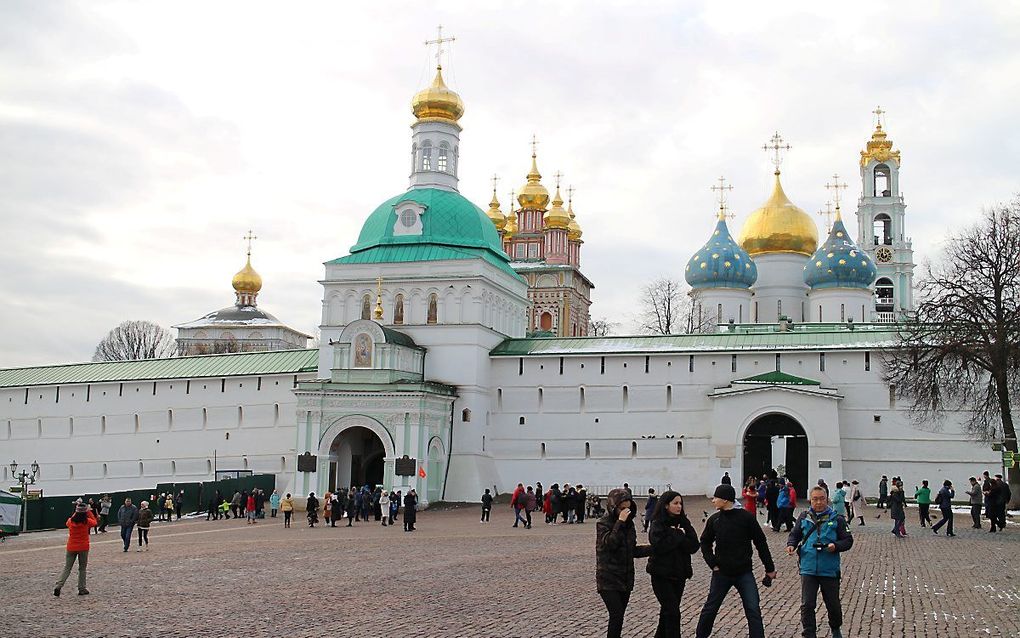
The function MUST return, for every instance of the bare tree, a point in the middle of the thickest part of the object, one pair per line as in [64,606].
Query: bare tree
[961,351]
[601,327]
[666,309]
[136,340]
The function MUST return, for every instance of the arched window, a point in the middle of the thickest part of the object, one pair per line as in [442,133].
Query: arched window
[882,182]
[884,295]
[883,230]
[366,307]
[433,316]
[546,321]
[414,156]
[398,310]
[444,150]
[426,156]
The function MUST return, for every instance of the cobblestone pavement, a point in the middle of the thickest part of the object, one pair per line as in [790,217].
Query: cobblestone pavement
[456,577]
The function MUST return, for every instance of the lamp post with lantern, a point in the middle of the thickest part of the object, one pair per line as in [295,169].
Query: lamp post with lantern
[25,478]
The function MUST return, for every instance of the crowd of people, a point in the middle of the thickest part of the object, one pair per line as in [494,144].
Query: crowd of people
[364,504]
[567,505]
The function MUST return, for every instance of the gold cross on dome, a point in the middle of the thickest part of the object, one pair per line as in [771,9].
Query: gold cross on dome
[835,187]
[828,213]
[878,116]
[570,194]
[722,188]
[775,147]
[439,41]
[249,237]
[495,180]
[559,176]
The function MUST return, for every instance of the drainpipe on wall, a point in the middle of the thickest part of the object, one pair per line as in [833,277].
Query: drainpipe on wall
[449,451]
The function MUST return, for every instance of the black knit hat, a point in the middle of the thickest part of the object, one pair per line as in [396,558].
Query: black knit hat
[726,493]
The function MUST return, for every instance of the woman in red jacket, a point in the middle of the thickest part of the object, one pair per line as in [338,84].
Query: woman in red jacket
[249,509]
[78,527]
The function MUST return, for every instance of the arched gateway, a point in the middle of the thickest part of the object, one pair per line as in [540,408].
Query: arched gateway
[356,457]
[777,439]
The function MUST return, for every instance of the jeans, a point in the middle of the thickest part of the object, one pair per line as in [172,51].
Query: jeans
[668,592]
[143,535]
[616,605]
[809,586]
[83,561]
[922,513]
[125,535]
[286,518]
[975,513]
[527,514]
[947,520]
[720,586]
[517,515]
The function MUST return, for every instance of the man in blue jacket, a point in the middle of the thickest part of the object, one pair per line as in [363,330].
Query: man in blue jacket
[818,538]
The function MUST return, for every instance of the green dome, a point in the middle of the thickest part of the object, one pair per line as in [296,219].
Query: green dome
[449,220]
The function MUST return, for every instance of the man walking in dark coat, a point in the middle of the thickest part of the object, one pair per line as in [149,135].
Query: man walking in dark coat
[410,510]
[726,545]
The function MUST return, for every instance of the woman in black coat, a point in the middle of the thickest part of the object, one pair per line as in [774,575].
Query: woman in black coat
[615,550]
[410,511]
[673,541]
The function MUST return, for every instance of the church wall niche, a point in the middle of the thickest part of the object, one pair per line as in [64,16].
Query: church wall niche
[259,416]
[186,419]
[644,398]
[560,399]
[122,469]
[153,422]
[569,449]
[603,399]
[221,417]
[120,424]
[54,428]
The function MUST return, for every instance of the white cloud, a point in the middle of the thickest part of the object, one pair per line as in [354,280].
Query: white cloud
[142,140]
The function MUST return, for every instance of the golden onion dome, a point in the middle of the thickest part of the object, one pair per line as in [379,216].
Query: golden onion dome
[511,225]
[573,229]
[779,227]
[247,280]
[495,214]
[533,195]
[557,217]
[437,102]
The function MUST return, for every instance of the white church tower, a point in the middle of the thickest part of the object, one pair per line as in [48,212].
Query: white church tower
[881,223]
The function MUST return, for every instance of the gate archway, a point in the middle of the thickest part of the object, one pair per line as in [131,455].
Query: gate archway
[777,439]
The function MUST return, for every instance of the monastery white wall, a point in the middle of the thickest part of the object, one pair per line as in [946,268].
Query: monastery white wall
[111,436]
[594,427]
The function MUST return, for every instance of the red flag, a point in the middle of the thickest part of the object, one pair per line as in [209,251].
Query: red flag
[421,472]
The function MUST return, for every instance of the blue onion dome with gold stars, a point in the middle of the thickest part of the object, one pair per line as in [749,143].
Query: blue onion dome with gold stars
[721,263]
[839,263]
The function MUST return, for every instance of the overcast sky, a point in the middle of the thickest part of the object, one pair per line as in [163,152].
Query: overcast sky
[140,141]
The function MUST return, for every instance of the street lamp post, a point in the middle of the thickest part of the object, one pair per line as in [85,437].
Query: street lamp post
[25,479]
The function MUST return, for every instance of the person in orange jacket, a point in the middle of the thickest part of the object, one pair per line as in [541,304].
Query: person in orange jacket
[78,527]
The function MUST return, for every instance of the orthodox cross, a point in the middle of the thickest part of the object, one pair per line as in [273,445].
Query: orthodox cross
[570,195]
[558,175]
[878,116]
[512,200]
[377,313]
[249,237]
[775,147]
[835,187]
[828,213]
[439,41]
[722,188]
[495,180]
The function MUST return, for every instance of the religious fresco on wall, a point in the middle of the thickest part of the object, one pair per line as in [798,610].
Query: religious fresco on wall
[363,351]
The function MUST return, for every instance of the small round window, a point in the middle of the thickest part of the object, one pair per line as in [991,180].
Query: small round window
[408,218]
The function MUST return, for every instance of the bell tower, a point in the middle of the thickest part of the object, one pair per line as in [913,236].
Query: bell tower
[881,222]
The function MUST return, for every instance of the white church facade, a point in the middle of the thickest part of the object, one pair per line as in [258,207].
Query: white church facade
[424,355]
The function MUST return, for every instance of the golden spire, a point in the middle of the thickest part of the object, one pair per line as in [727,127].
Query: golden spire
[494,213]
[247,283]
[510,229]
[377,313]
[879,146]
[722,188]
[556,217]
[533,195]
[574,229]
[438,102]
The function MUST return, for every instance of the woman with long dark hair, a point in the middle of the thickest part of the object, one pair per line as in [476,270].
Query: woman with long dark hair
[615,550]
[78,527]
[673,542]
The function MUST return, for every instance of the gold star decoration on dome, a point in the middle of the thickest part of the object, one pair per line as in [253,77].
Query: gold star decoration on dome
[439,42]
[722,188]
[775,146]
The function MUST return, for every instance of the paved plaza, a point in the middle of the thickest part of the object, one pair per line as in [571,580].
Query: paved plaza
[456,577]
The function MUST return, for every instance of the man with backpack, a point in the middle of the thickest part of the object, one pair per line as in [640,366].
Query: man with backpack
[818,538]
